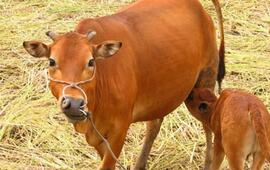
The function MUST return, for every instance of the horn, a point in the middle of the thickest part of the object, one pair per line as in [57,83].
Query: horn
[91,34]
[52,35]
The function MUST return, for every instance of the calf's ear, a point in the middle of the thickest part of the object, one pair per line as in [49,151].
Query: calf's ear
[107,49]
[203,106]
[36,48]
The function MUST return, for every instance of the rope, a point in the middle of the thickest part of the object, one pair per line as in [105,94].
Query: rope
[104,140]
[76,85]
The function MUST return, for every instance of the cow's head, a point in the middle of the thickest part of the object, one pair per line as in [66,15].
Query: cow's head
[200,102]
[71,59]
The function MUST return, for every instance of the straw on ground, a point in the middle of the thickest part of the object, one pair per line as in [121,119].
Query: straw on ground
[35,135]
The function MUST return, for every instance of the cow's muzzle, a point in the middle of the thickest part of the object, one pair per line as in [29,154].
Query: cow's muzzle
[72,108]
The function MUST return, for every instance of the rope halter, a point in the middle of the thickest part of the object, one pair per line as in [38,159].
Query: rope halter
[75,85]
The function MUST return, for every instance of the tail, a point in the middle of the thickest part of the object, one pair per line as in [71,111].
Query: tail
[260,130]
[221,65]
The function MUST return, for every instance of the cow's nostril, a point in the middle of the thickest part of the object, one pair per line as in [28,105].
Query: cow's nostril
[66,103]
[82,103]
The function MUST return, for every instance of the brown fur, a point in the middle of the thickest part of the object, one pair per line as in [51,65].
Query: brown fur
[240,122]
[167,48]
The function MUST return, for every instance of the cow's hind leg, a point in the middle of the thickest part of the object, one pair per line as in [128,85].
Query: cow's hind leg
[152,130]
[207,79]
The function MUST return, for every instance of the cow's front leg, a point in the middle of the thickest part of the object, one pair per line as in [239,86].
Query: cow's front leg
[116,139]
[152,130]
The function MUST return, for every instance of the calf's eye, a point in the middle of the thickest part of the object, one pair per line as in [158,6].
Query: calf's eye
[52,62]
[91,62]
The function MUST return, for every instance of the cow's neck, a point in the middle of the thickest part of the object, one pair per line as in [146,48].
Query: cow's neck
[102,91]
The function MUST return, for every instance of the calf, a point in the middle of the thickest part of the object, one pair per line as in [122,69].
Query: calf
[240,123]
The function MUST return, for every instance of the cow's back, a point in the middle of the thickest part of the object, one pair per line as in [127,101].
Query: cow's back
[165,46]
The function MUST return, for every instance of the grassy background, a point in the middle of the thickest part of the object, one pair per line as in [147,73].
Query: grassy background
[35,135]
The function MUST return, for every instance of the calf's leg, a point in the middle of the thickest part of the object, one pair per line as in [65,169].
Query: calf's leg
[208,152]
[235,150]
[152,131]
[218,155]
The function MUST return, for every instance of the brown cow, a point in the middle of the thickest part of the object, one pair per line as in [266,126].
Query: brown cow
[167,48]
[240,122]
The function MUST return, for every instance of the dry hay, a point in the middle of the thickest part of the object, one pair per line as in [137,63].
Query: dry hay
[35,135]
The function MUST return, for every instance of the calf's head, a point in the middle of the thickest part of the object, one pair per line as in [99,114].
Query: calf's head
[71,59]
[200,102]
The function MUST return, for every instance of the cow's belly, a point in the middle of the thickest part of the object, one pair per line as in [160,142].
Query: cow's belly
[168,70]
[156,99]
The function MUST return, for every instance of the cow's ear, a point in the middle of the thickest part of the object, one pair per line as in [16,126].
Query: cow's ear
[36,48]
[107,49]
[207,95]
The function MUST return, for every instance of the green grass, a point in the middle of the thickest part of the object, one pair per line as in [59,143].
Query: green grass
[35,135]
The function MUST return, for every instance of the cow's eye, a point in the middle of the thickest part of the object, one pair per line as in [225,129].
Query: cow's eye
[52,62]
[91,62]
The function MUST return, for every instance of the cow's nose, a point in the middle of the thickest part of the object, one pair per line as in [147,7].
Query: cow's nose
[72,106]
